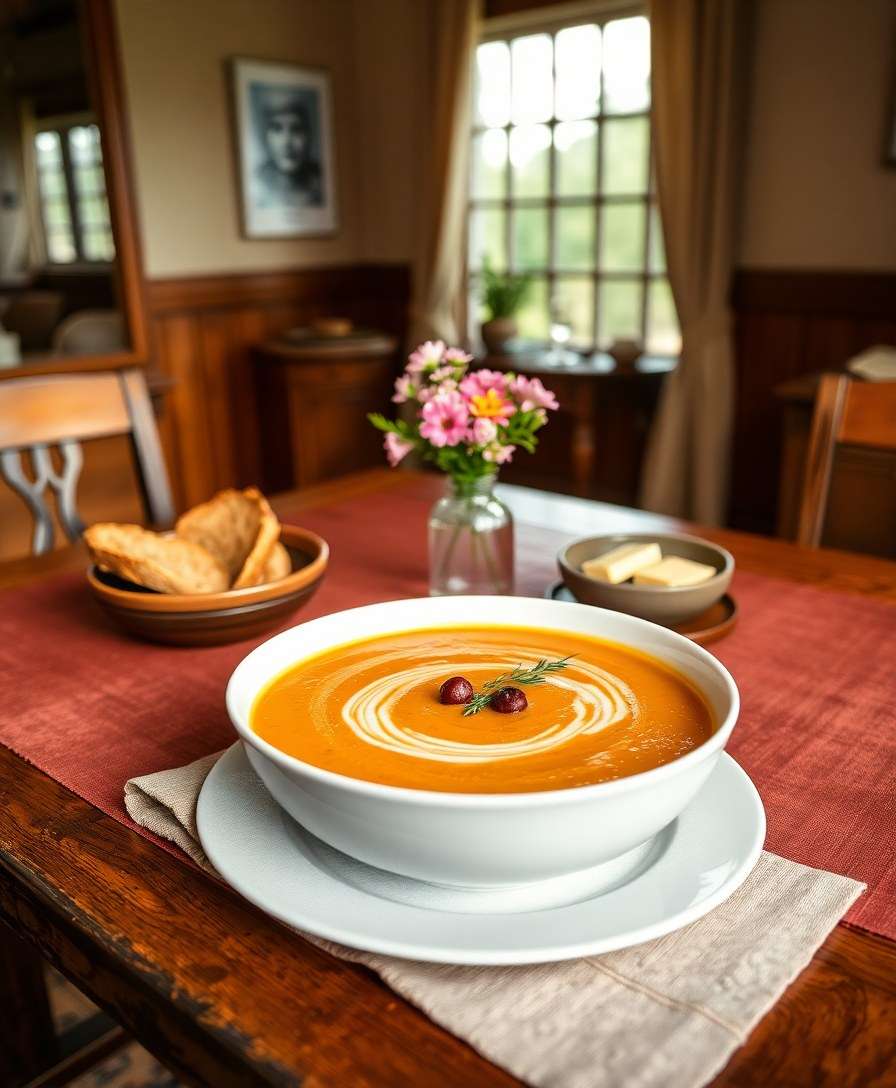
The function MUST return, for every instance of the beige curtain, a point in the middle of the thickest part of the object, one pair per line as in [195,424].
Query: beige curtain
[438,303]
[697,47]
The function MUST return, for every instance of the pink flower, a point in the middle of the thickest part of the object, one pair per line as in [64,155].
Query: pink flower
[532,394]
[445,420]
[428,354]
[404,388]
[427,392]
[483,431]
[499,454]
[480,382]
[457,356]
[396,448]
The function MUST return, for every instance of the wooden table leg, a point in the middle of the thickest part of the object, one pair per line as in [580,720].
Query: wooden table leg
[27,1037]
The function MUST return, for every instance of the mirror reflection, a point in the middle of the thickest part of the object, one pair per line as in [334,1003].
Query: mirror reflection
[58,283]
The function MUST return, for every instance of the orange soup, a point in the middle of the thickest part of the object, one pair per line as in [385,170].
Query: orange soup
[371,709]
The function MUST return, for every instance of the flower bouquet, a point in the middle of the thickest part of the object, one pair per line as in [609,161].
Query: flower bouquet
[467,423]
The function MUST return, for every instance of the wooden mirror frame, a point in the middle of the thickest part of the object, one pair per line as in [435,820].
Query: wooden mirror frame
[107,93]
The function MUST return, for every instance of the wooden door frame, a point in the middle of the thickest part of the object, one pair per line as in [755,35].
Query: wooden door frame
[104,75]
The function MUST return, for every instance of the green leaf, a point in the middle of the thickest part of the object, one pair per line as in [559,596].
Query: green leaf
[381,423]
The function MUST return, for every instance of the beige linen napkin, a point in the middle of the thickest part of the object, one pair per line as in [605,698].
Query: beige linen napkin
[671,1011]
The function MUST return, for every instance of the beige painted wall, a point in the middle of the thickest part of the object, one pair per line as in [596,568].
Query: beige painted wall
[816,194]
[392,46]
[176,80]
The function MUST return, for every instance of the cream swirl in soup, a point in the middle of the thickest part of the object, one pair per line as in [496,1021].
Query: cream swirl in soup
[597,699]
[371,710]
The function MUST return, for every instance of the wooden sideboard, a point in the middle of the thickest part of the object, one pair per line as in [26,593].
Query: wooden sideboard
[594,445]
[313,400]
[861,513]
[205,329]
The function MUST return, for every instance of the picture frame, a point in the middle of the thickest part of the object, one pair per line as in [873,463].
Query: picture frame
[889,156]
[890,150]
[283,138]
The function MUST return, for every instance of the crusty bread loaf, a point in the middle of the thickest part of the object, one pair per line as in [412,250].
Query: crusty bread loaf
[278,565]
[166,564]
[238,528]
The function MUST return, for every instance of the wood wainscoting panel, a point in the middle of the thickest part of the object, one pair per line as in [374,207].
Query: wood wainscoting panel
[789,323]
[204,331]
[186,436]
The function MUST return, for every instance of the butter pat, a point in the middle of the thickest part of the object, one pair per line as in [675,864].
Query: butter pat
[674,571]
[622,562]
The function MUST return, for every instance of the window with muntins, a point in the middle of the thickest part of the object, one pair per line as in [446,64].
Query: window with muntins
[561,182]
[72,188]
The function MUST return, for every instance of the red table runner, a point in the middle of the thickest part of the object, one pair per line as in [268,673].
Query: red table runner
[92,707]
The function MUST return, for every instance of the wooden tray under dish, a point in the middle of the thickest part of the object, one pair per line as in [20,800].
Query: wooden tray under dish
[713,624]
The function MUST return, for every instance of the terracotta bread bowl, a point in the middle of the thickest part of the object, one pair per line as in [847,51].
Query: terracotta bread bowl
[210,619]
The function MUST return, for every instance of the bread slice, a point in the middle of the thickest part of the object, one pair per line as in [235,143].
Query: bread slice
[238,528]
[278,565]
[166,564]
[252,572]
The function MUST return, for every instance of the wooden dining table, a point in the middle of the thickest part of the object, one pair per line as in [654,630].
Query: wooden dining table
[225,995]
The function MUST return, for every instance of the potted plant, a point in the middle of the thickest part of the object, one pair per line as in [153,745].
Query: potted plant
[503,293]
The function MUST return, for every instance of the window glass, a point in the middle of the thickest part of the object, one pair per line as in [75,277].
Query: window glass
[574,301]
[656,257]
[530,160]
[487,238]
[532,318]
[619,308]
[492,96]
[626,150]
[663,336]
[72,188]
[626,65]
[575,237]
[532,79]
[622,237]
[575,144]
[490,163]
[578,72]
[530,238]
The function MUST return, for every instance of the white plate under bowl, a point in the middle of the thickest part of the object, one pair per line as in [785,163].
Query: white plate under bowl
[689,868]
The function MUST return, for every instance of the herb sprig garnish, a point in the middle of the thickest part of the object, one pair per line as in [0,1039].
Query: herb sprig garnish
[534,675]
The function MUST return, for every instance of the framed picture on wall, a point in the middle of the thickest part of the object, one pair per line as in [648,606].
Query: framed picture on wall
[284,149]
[890,140]
[890,150]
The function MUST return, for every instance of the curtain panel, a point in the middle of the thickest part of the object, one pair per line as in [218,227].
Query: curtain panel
[697,53]
[438,306]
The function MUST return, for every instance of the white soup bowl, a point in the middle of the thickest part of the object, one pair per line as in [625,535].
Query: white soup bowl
[482,840]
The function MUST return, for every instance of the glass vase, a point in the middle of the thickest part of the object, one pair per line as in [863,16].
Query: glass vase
[470,540]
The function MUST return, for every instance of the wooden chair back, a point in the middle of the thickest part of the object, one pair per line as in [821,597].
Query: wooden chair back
[61,410]
[850,413]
